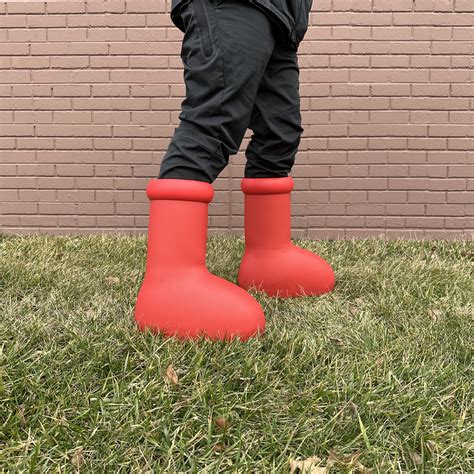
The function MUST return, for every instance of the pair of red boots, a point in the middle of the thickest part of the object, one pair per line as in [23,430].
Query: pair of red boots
[180,297]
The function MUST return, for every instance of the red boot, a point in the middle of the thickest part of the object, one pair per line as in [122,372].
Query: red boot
[179,296]
[271,262]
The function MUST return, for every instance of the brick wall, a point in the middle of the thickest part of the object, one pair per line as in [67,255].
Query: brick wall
[90,95]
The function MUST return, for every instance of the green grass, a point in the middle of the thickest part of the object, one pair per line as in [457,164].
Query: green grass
[381,366]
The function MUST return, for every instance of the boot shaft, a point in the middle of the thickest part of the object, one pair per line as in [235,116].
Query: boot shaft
[267,211]
[177,230]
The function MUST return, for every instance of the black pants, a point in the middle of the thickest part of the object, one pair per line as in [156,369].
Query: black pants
[237,76]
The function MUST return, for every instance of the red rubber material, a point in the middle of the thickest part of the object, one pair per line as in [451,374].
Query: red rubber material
[179,189]
[271,262]
[179,296]
[267,185]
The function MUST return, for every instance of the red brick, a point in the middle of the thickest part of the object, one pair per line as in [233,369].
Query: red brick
[349,170]
[35,143]
[445,210]
[344,221]
[456,184]
[425,222]
[68,143]
[449,47]
[434,5]
[422,197]
[422,19]
[462,117]
[463,34]
[457,223]
[35,170]
[451,130]
[68,195]
[388,196]
[93,183]
[46,21]
[409,157]
[13,21]
[74,170]
[449,235]
[38,194]
[95,208]
[405,209]
[460,197]
[388,5]
[367,183]
[388,170]
[408,183]
[461,144]
[446,157]
[7,220]
[464,6]
[115,221]
[365,209]
[74,6]
[111,6]
[431,171]
[381,143]
[459,171]
[432,33]
[8,170]
[434,62]
[18,208]
[74,130]
[113,170]
[39,221]
[392,33]
[25,7]
[57,208]
[429,117]
[392,130]
[56,182]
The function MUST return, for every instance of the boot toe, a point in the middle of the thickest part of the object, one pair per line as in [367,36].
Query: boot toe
[201,305]
[315,275]
[287,272]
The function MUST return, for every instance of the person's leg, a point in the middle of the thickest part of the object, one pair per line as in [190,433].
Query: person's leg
[225,50]
[276,118]
[271,261]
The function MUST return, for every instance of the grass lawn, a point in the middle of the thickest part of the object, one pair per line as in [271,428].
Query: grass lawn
[376,374]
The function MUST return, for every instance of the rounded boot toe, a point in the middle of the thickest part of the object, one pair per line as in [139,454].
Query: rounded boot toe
[199,306]
[287,272]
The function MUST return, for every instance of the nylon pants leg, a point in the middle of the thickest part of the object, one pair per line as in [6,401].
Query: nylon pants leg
[276,118]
